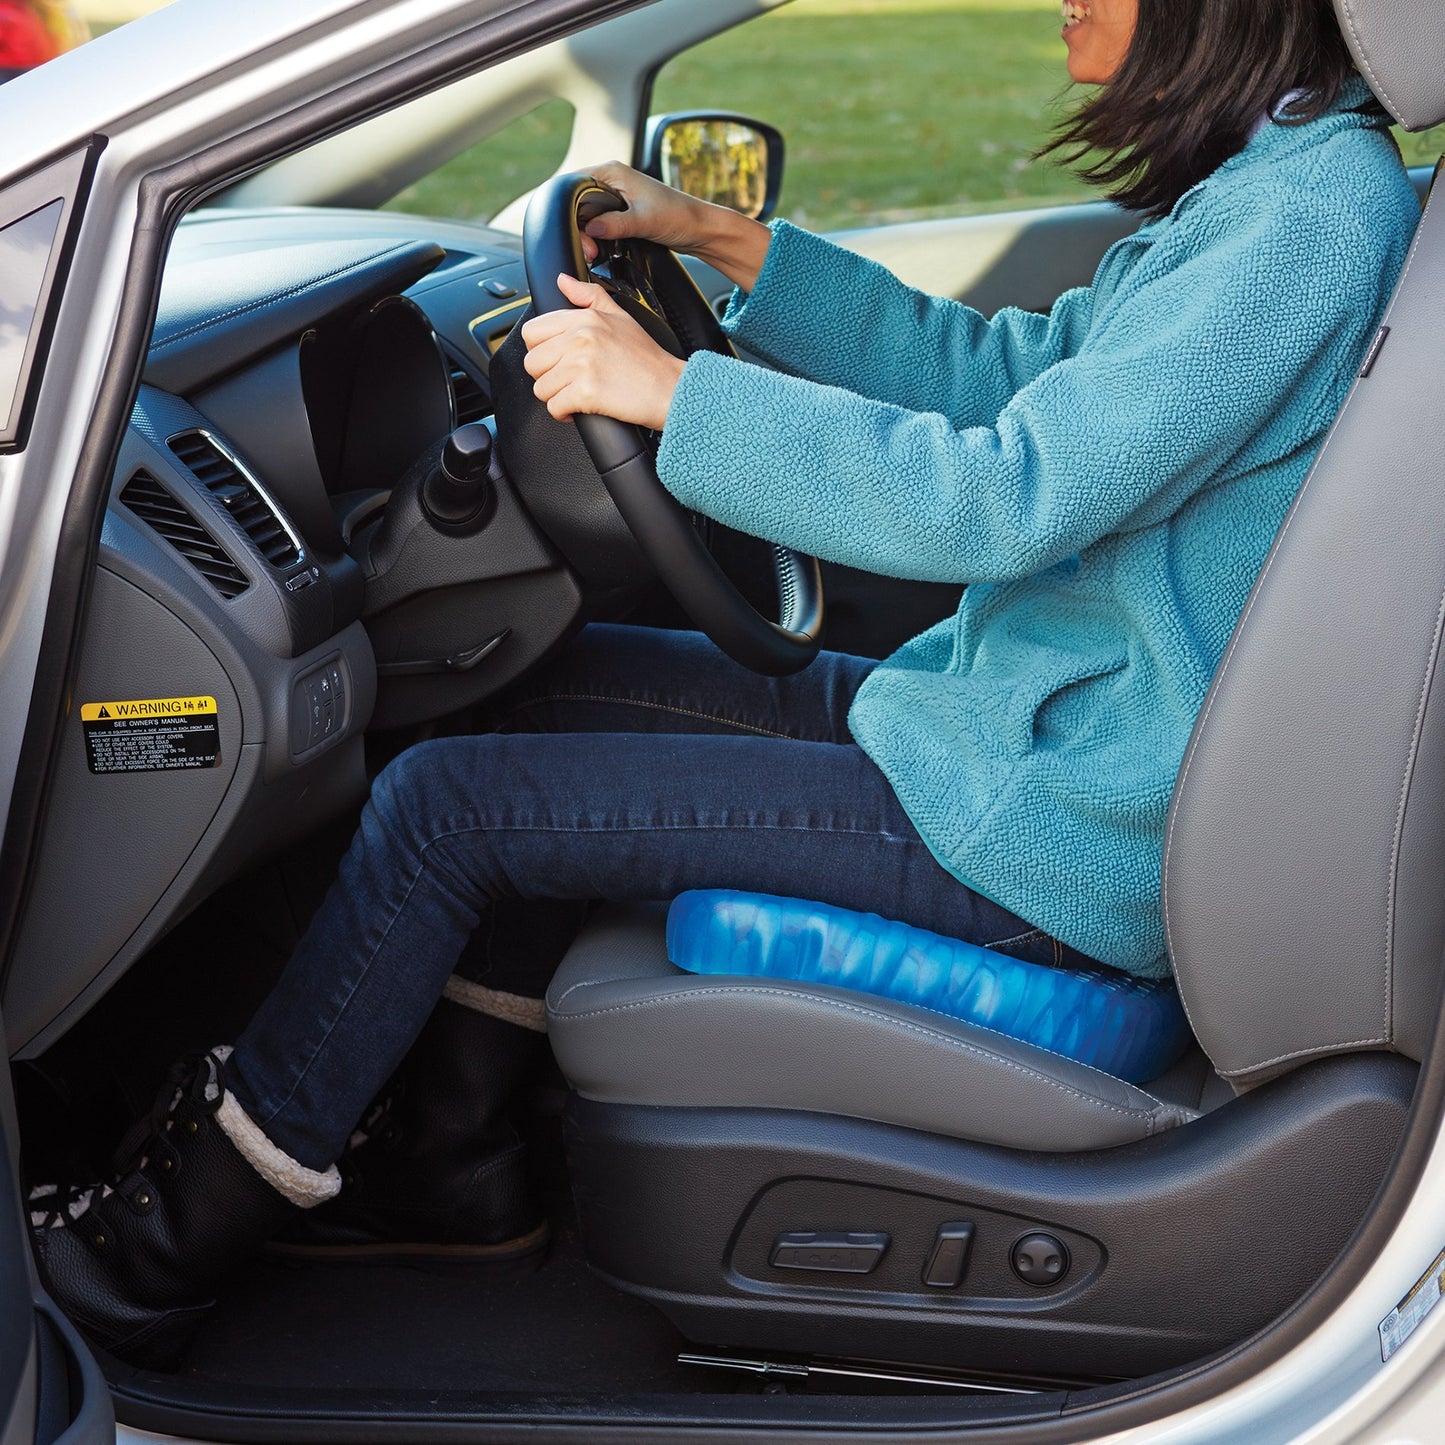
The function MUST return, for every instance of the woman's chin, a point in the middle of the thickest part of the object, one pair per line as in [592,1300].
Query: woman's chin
[1082,72]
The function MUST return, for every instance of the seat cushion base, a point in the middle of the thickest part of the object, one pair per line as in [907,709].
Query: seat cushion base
[1174,1242]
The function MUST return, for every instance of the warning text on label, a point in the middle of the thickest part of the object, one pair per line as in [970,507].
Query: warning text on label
[152,735]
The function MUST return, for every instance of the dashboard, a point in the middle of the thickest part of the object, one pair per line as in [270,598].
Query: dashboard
[266,590]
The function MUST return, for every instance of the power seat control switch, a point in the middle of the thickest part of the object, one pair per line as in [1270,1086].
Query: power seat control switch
[1040,1259]
[830,1253]
[318,707]
[949,1258]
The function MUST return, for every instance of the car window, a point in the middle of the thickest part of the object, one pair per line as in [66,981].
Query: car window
[476,184]
[897,110]
[25,247]
[892,109]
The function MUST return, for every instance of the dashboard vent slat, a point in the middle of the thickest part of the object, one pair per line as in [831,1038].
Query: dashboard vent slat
[220,476]
[469,402]
[163,514]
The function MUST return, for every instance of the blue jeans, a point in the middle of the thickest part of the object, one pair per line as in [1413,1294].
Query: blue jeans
[637,765]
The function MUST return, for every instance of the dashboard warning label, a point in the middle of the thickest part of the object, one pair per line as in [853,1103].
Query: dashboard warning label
[152,735]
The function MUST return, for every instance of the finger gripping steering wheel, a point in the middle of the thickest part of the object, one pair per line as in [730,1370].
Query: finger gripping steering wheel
[624,456]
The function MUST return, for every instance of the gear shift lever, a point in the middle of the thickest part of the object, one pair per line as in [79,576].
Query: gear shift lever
[460,489]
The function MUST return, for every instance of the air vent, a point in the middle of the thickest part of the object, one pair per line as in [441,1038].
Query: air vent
[469,402]
[253,513]
[162,513]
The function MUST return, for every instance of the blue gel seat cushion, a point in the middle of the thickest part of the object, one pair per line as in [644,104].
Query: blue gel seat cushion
[1129,1027]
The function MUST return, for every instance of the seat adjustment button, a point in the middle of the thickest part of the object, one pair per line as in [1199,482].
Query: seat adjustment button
[830,1253]
[1040,1260]
[949,1259]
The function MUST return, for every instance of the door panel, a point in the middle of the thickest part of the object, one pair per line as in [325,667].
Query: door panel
[51,1389]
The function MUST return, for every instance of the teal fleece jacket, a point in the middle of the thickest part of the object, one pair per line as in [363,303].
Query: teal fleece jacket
[1107,479]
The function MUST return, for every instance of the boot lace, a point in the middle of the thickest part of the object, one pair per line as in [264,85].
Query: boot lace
[201,1078]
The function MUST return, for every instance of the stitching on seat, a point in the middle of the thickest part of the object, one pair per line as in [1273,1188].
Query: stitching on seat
[1393,881]
[1299,1054]
[873,1013]
[1146,1114]
[275,296]
[1229,657]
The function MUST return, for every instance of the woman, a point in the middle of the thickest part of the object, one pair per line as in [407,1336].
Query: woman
[1107,479]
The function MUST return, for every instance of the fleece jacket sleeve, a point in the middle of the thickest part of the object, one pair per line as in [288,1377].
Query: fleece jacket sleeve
[823,312]
[1168,391]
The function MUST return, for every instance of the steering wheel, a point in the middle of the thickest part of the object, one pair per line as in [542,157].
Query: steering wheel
[652,285]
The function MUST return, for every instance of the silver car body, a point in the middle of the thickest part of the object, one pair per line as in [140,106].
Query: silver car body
[168,93]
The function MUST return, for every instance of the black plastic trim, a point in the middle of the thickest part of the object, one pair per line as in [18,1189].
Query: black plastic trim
[92,1413]
[249,1416]
[1180,1244]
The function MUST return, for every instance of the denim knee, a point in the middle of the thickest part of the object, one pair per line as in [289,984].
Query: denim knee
[412,796]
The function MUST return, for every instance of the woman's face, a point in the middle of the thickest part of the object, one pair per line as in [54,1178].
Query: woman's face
[1098,34]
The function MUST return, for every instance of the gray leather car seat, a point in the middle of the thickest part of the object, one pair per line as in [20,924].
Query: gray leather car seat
[629,1028]
[1306,919]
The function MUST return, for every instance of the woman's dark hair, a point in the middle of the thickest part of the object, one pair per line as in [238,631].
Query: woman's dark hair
[1198,77]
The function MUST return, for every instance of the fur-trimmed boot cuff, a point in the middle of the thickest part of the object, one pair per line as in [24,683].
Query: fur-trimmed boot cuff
[512,1008]
[292,1180]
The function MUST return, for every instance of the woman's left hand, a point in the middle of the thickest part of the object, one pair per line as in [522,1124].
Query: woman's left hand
[598,361]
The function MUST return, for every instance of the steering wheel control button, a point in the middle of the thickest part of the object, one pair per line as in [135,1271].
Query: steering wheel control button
[1040,1260]
[830,1253]
[459,492]
[949,1259]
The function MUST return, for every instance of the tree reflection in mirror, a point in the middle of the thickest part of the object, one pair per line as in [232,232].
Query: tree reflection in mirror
[717,160]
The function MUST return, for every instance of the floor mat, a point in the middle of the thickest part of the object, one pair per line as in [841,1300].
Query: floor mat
[557,1332]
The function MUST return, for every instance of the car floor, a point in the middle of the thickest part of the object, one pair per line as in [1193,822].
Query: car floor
[557,1332]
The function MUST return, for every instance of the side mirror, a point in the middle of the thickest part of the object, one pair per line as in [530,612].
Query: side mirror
[728,159]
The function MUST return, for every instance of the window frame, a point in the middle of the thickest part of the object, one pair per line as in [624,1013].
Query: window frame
[67,181]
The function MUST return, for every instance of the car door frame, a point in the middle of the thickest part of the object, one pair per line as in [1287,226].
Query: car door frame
[162,196]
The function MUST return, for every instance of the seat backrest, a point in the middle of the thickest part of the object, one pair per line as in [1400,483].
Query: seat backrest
[1304,885]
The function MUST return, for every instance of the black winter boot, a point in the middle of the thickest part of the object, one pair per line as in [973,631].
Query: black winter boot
[199,1186]
[437,1173]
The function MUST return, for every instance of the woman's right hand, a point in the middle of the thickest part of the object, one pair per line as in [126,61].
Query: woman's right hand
[731,243]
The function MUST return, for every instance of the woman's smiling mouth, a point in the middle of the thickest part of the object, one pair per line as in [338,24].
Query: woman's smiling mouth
[1075,13]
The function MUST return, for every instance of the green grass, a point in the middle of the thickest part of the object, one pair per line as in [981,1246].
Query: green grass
[892,109]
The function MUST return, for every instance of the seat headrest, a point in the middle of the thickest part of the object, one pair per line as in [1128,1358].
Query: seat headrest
[1399,46]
